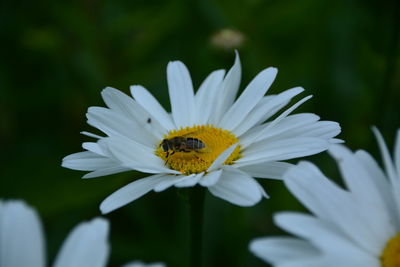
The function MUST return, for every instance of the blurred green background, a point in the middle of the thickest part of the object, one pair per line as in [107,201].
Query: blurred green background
[58,55]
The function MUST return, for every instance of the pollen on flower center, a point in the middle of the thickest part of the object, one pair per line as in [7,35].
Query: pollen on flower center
[391,254]
[194,149]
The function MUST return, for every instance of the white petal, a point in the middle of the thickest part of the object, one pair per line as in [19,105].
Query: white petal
[305,225]
[211,178]
[284,127]
[150,103]
[278,250]
[91,135]
[351,169]
[85,246]
[206,96]
[118,101]
[98,160]
[21,236]
[181,94]
[297,179]
[266,108]
[302,124]
[105,171]
[168,181]
[125,105]
[237,188]
[142,264]
[218,162]
[130,192]
[116,125]
[379,179]
[324,235]
[87,161]
[312,262]
[336,141]
[270,170]
[282,150]
[390,169]
[137,156]
[248,99]
[320,129]
[190,180]
[366,192]
[278,119]
[94,147]
[397,153]
[344,257]
[228,92]
[331,203]
[387,161]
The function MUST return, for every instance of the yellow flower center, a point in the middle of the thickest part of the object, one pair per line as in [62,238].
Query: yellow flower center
[391,254]
[194,149]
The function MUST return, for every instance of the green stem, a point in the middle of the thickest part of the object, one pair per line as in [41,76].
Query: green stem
[196,202]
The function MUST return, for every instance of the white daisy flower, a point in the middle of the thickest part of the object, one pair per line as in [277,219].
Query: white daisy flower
[142,264]
[22,240]
[208,139]
[358,226]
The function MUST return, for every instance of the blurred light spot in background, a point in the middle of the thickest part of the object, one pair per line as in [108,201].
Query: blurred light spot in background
[227,39]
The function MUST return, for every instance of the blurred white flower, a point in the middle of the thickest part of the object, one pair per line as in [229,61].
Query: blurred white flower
[356,227]
[22,240]
[141,264]
[209,139]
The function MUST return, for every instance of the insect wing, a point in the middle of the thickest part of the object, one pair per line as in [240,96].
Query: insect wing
[192,134]
[194,143]
[191,143]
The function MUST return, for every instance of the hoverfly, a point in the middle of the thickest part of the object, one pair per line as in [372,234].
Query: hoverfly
[182,144]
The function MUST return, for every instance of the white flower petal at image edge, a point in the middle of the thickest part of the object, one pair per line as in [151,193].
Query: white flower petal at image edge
[86,245]
[141,264]
[210,139]
[21,236]
[22,240]
[358,226]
